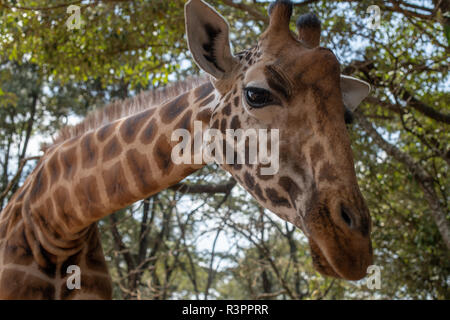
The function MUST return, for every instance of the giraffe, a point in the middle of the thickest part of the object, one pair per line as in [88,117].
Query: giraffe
[122,154]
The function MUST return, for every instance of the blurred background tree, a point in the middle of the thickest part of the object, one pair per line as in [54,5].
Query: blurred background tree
[205,238]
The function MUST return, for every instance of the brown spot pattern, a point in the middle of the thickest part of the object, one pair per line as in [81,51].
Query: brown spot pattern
[215,125]
[95,259]
[202,91]
[223,125]
[227,109]
[63,206]
[174,108]
[105,131]
[276,199]
[117,185]
[69,162]
[149,132]
[290,187]
[207,101]
[39,185]
[259,192]
[185,122]
[249,180]
[163,155]
[140,169]
[112,149]
[235,123]
[17,250]
[47,262]
[236,101]
[131,126]
[327,173]
[12,286]
[86,192]
[317,152]
[88,152]
[204,115]
[54,168]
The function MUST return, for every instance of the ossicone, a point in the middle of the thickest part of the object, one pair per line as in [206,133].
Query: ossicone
[280,13]
[309,28]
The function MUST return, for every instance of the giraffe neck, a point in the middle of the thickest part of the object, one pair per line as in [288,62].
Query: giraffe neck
[50,224]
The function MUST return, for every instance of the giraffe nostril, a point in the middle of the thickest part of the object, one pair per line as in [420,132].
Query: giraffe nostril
[346,217]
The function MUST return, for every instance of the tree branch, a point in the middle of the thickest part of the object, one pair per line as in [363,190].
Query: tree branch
[250,10]
[424,180]
[204,188]
[16,177]
[411,101]
[423,108]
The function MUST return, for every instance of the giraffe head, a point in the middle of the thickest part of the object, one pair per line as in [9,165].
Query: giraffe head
[288,82]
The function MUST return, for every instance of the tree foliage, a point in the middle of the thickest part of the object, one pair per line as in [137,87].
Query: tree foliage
[206,238]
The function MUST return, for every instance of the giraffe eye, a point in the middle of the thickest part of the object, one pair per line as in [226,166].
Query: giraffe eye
[258,97]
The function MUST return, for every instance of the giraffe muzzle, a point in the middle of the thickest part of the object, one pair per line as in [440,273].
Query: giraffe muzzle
[339,237]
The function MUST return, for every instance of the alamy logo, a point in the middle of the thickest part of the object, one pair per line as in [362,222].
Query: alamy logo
[74,280]
[375,17]
[241,146]
[374,279]
[74,21]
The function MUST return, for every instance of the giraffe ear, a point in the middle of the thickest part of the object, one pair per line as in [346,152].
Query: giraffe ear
[207,35]
[353,91]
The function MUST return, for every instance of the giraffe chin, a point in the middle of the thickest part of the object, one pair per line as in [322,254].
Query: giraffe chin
[320,263]
[329,266]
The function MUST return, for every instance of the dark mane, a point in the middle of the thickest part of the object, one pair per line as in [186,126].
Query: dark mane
[123,108]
